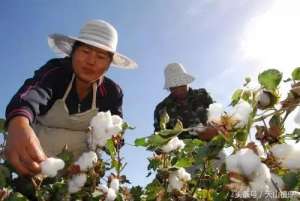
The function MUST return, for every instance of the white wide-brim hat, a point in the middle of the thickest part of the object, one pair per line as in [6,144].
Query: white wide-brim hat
[96,33]
[176,75]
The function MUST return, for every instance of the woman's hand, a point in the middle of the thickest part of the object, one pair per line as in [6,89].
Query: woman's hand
[23,149]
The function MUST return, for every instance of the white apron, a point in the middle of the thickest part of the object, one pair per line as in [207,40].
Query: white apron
[57,127]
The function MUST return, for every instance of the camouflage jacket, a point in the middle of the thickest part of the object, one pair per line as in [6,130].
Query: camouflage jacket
[191,113]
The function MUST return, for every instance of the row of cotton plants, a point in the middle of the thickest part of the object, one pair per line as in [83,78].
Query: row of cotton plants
[251,157]
[88,177]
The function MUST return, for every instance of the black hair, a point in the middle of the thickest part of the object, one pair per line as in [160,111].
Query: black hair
[76,45]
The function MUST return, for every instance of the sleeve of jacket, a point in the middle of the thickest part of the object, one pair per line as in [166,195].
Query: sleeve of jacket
[34,94]
[118,103]
[157,112]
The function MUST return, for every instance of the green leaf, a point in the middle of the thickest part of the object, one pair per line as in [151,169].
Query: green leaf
[296,74]
[275,120]
[295,135]
[241,135]
[236,96]
[111,148]
[246,95]
[168,133]
[141,142]
[16,197]
[67,156]
[153,164]
[116,164]
[153,189]
[127,126]
[163,120]
[191,144]
[157,140]
[290,180]
[2,125]
[184,162]
[270,79]
[178,126]
[4,176]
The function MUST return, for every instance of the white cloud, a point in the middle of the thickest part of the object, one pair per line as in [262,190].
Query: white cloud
[272,39]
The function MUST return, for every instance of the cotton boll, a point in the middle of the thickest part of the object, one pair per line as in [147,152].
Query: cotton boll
[232,163]
[172,145]
[278,181]
[117,121]
[167,147]
[280,151]
[103,188]
[104,126]
[114,184]
[50,166]
[262,172]
[259,186]
[100,122]
[183,175]
[73,188]
[248,161]
[215,112]
[241,112]
[174,182]
[297,117]
[79,179]
[111,195]
[263,99]
[87,160]
[76,182]
[291,162]
[261,152]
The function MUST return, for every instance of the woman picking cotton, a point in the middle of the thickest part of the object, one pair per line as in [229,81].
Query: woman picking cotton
[56,105]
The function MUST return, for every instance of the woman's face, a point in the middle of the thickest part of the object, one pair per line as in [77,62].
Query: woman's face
[179,92]
[90,63]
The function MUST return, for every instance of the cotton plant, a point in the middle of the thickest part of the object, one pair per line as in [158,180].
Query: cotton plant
[103,127]
[51,166]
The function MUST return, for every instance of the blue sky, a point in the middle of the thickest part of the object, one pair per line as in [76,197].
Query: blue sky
[218,41]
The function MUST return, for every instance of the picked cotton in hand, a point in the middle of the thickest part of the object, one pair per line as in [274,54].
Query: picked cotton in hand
[50,166]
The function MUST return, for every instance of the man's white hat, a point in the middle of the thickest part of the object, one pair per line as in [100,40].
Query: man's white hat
[97,33]
[176,75]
